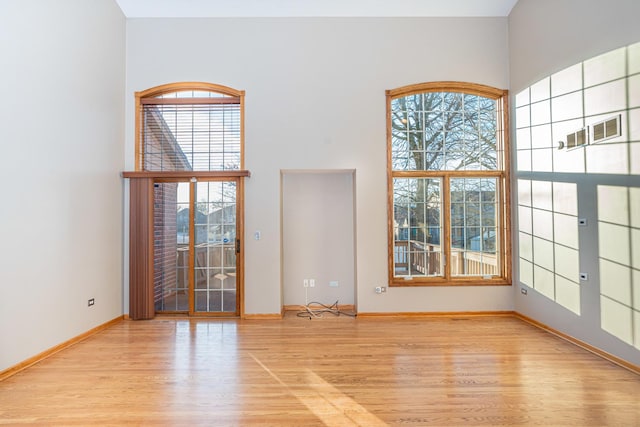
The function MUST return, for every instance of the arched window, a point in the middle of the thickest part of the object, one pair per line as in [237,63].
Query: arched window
[189,127]
[448,185]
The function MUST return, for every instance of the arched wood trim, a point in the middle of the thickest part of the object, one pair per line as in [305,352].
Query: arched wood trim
[182,86]
[448,86]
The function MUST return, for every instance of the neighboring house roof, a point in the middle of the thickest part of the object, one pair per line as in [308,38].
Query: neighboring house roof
[157,127]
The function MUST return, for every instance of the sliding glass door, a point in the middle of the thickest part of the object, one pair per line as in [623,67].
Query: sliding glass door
[196,243]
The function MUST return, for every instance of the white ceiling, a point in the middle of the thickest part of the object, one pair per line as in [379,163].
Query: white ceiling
[313,8]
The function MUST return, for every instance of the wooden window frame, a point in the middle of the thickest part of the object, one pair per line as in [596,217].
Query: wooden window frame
[502,176]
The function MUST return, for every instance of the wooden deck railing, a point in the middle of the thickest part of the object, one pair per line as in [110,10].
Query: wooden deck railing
[416,258]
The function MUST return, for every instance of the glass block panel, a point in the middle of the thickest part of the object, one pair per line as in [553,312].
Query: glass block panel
[568,294]
[606,67]
[541,90]
[541,136]
[605,98]
[615,281]
[635,283]
[522,98]
[635,248]
[567,107]
[633,57]
[525,219]
[525,243]
[636,328]
[608,158]
[565,230]
[543,282]
[616,319]
[523,117]
[634,153]
[541,113]
[542,160]
[613,204]
[524,160]
[523,138]
[543,224]
[634,199]
[613,242]
[634,91]
[543,253]
[567,262]
[565,198]
[570,161]
[526,272]
[541,195]
[567,80]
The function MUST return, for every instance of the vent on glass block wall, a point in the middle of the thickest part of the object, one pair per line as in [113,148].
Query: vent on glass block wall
[607,129]
[578,138]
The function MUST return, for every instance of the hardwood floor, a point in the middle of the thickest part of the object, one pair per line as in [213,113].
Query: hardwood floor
[330,371]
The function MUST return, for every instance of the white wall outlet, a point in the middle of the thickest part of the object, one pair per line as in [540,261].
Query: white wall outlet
[257,235]
[312,283]
[305,283]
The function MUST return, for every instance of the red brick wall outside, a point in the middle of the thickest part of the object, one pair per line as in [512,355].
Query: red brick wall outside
[165,242]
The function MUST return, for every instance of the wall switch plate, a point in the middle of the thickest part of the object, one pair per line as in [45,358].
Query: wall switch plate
[582,222]
[584,276]
[91,302]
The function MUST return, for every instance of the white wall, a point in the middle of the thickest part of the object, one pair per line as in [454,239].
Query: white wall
[543,42]
[318,237]
[62,115]
[315,100]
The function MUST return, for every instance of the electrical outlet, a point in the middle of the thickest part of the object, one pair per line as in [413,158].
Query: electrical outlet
[305,283]
[312,283]
[584,276]
[523,291]
[91,302]
[381,289]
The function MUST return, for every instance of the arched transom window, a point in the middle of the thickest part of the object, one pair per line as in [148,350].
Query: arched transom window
[190,127]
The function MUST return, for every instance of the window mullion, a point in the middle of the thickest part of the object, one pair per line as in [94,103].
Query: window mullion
[446,227]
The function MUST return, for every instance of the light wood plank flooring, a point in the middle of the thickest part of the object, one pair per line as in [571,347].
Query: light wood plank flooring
[330,371]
